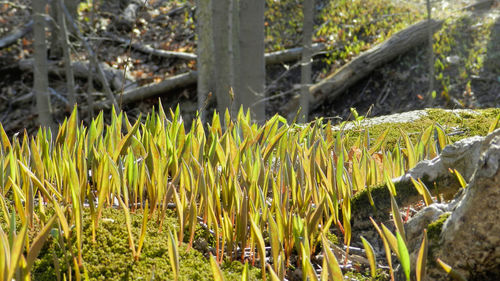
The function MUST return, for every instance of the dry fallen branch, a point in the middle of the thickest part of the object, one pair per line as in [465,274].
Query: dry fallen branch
[92,56]
[151,90]
[81,70]
[115,76]
[152,51]
[16,34]
[292,54]
[190,78]
[271,58]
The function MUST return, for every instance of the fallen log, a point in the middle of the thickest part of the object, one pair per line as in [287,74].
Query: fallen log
[115,76]
[190,78]
[147,49]
[271,58]
[16,34]
[292,54]
[150,90]
[336,83]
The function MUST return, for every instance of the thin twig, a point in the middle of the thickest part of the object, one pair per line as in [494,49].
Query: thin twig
[93,58]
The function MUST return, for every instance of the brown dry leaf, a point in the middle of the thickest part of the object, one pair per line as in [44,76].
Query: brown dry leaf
[165,45]
[378,157]
[354,151]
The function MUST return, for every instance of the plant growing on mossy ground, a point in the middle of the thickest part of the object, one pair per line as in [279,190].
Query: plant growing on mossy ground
[105,193]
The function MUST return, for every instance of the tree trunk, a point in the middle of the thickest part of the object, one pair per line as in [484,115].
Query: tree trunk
[252,63]
[56,50]
[92,56]
[307,27]
[205,49]
[430,34]
[222,10]
[235,33]
[63,38]
[90,79]
[41,80]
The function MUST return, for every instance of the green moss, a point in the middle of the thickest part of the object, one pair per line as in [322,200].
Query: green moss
[433,234]
[435,227]
[110,258]
[406,194]
[332,238]
[381,275]
[380,194]
[462,124]
[469,123]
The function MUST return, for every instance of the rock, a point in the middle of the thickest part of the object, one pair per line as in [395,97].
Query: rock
[453,59]
[296,275]
[420,221]
[404,117]
[469,240]
[462,156]
[414,231]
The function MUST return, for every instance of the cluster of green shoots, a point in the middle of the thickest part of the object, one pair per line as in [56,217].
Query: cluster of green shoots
[241,182]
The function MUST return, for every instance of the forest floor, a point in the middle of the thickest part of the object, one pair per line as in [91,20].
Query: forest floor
[402,84]
[467,50]
[467,53]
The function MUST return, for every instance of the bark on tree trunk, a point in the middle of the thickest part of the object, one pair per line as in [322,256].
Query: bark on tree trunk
[70,79]
[41,80]
[430,51]
[252,62]
[56,50]
[205,48]
[235,34]
[222,10]
[308,12]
